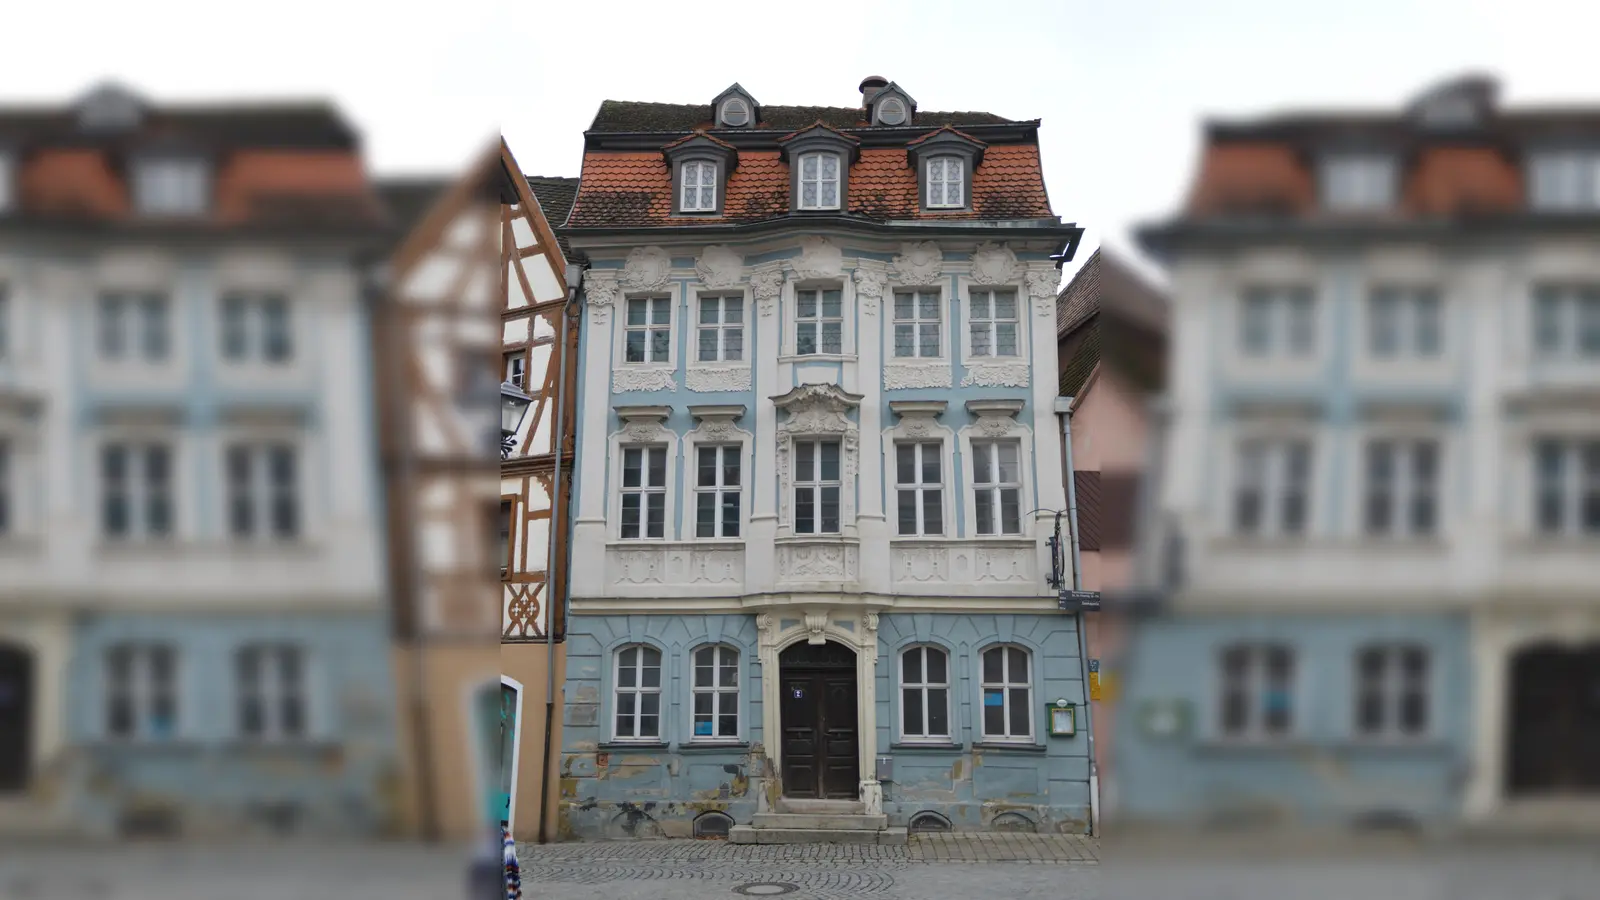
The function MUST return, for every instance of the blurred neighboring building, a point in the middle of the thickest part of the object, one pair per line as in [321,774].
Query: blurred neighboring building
[1111,353]
[193,635]
[1383,475]
[820,469]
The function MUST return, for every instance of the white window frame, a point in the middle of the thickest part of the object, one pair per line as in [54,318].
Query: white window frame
[1270,475]
[653,303]
[721,327]
[1402,490]
[273,690]
[1391,690]
[1575,482]
[717,690]
[1564,180]
[264,491]
[1569,311]
[991,484]
[136,455]
[639,691]
[1287,309]
[942,166]
[1359,182]
[139,688]
[171,186]
[734,103]
[820,180]
[920,689]
[1411,306]
[516,368]
[1254,685]
[720,490]
[917,323]
[1008,683]
[990,323]
[819,320]
[816,485]
[644,489]
[704,184]
[919,489]
[144,324]
[253,328]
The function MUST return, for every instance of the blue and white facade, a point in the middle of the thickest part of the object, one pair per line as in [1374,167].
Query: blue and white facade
[740,513]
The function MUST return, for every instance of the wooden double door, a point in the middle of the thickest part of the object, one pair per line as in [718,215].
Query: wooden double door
[821,747]
[1554,732]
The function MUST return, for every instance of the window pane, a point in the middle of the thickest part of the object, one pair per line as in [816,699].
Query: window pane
[633,351]
[907,512]
[1005,305]
[831,304]
[935,665]
[808,193]
[905,340]
[1007,453]
[804,454]
[932,512]
[730,466]
[710,308]
[1005,339]
[980,463]
[911,712]
[660,341]
[1011,511]
[830,510]
[733,310]
[708,466]
[630,515]
[984,508]
[905,463]
[730,513]
[660,311]
[1428,324]
[638,311]
[1020,709]
[651,660]
[730,670]
[829,458]
[708,344]
[980,339]
[805,339]
[994,712]
[627,660]
[928,305]
[806,304]
[658,466]
[994,665]
[733,344]
[938,712]
[705,516]
[832,337]
[805,513]
[911,666]
[233,327]
[656,515]
[929,340]
[904,305]
[1017,659]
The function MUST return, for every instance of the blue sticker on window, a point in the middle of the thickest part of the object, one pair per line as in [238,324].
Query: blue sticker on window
[702,728]
[994,699]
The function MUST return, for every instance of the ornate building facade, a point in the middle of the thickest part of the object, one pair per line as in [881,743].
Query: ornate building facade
[818,469]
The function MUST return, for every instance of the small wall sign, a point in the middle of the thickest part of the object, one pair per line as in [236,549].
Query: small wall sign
[1063,719]
[797,693]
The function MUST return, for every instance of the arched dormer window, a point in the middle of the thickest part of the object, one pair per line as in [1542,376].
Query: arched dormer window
[735,108]
[819,160]
[891,106]
[945,160]
[700,166]
[735,112]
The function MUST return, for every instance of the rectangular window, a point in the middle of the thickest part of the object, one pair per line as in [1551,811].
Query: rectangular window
[136,490]
[924,694]
[1566,321]
[717,484]
[516,369]
[1277,322]
[1403,322]
[1272,487]
[637,694]
[141,691]
[1402,496]
[1392,690]
[1358,183]
[993,323]
[916,324]
[946,188]
[644,492]
[171,186]
[699,186]
[997,486]
[819,181]
[1007,694]
[649,330]
[1565,181]
[271,693]
[504,529]
[133,323]
[1567,486]
[263,494]
[716,694]
[919,483]
[1257,691]
[721,329]
[816,487]
[819,321]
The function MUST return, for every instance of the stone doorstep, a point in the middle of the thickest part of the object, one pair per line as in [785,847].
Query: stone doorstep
[833,807]
[747,834]
[820,821]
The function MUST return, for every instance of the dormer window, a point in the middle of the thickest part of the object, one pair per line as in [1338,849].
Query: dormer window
[886,103]
[892,111]
[735,112]
[171,187]
[699,178]
[1358,183]
[1565,181]
[819,181]
[946,180]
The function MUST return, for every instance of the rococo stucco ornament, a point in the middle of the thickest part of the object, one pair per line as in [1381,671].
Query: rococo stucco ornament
[719,267]
[1012,374]
[624,379]
[708,379]
[1042,287]
[994,263]
[767,284]
[600,290]
[819,258]
[995,426]
[647,269]
[919,263]
[869,289]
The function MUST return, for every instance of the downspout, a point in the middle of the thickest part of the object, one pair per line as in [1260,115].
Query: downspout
[574,281]
[1064,407]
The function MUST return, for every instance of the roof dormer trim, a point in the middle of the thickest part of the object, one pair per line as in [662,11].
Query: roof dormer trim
[875,106]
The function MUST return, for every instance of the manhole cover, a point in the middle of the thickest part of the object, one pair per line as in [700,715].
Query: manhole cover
[765,888]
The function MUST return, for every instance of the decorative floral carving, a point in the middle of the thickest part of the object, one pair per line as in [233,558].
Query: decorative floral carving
[818,409]
[920,564]
[767,285]
[626,379]
[994,263]
[918,427]
[641,430]
[817,562]
[1002,565]
[719,267]
[707,379]
[639,567]
[819,258]
[870,284]
[919,263]
[1042,287]
[869,622]
[647,269]
[903,375]
[816,627]
[1011,374]
[995,426]
[600,290]
[715,566]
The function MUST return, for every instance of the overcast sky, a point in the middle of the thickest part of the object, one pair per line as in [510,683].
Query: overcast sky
[1121,85]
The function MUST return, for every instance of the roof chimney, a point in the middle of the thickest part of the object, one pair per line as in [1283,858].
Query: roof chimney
[870,86]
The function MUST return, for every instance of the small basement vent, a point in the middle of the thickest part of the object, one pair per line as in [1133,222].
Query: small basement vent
[928,823]
[712,826]
[1013,822]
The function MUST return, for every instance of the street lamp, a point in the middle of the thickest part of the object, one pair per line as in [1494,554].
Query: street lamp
[513,409]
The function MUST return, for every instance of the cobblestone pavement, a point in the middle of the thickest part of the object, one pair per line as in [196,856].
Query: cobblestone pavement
[928,867]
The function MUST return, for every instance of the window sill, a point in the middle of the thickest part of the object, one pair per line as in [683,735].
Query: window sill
[817,358]
[1009,747]
[693,747]
[632,745]
[928,746]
